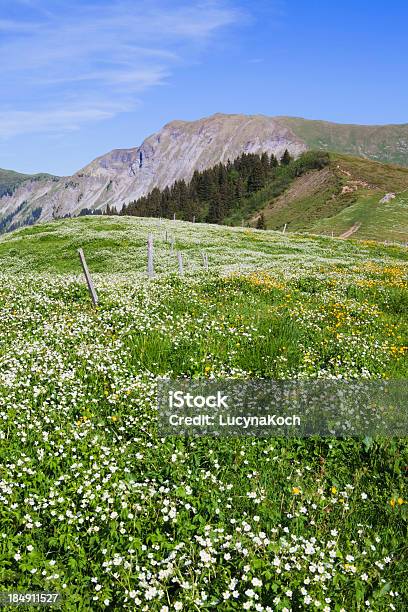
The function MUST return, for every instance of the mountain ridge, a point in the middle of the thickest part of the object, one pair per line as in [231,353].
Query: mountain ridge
[179,148]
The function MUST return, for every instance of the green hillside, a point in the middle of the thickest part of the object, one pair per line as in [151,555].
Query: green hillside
[10,180]
[346,193]
[118,245]
[317,192]
[385,143]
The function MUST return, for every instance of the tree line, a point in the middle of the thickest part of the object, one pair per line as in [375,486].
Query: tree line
[214,194]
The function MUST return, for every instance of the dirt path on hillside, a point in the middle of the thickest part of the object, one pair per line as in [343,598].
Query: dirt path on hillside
[352,230]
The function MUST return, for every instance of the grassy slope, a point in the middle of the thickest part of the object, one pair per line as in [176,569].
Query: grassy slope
[387,221]
[346,192]
[10,180]
[118,245]
[78,401]
[386,143]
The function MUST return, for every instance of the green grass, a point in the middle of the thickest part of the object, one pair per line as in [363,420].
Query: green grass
[345,193]
[97,505]
[118,245]
[379,143]
[387,221]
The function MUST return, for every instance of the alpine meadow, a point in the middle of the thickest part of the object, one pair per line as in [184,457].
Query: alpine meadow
[203,306]
[100,508]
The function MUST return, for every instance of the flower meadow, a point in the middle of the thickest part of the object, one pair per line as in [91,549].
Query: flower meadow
[95,505]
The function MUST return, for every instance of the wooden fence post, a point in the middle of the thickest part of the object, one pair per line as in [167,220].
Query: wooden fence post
[172,245]
[284,227]
[89,281]
[205,260]
[150,268]
[180,263]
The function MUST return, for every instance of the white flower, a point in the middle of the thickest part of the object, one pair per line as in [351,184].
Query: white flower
[204,556]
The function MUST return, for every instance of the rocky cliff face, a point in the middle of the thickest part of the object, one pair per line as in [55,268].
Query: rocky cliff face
[178,149]
[173,153]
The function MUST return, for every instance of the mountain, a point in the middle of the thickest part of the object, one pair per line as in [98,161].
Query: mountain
[174,152]
[10,180]
[385,143]
[15,211]
[179,148]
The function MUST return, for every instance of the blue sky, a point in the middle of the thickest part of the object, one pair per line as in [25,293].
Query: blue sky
[81,77]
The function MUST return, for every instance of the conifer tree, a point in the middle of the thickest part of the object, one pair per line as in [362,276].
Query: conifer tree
[286,158]
[256,179]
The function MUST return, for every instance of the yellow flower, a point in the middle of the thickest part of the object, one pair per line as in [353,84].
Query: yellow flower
[334,490]
[400,501]
[392,502]
[114,418]
[296,491]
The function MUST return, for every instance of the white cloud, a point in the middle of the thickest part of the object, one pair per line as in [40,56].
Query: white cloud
[66,119]
[74,63]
